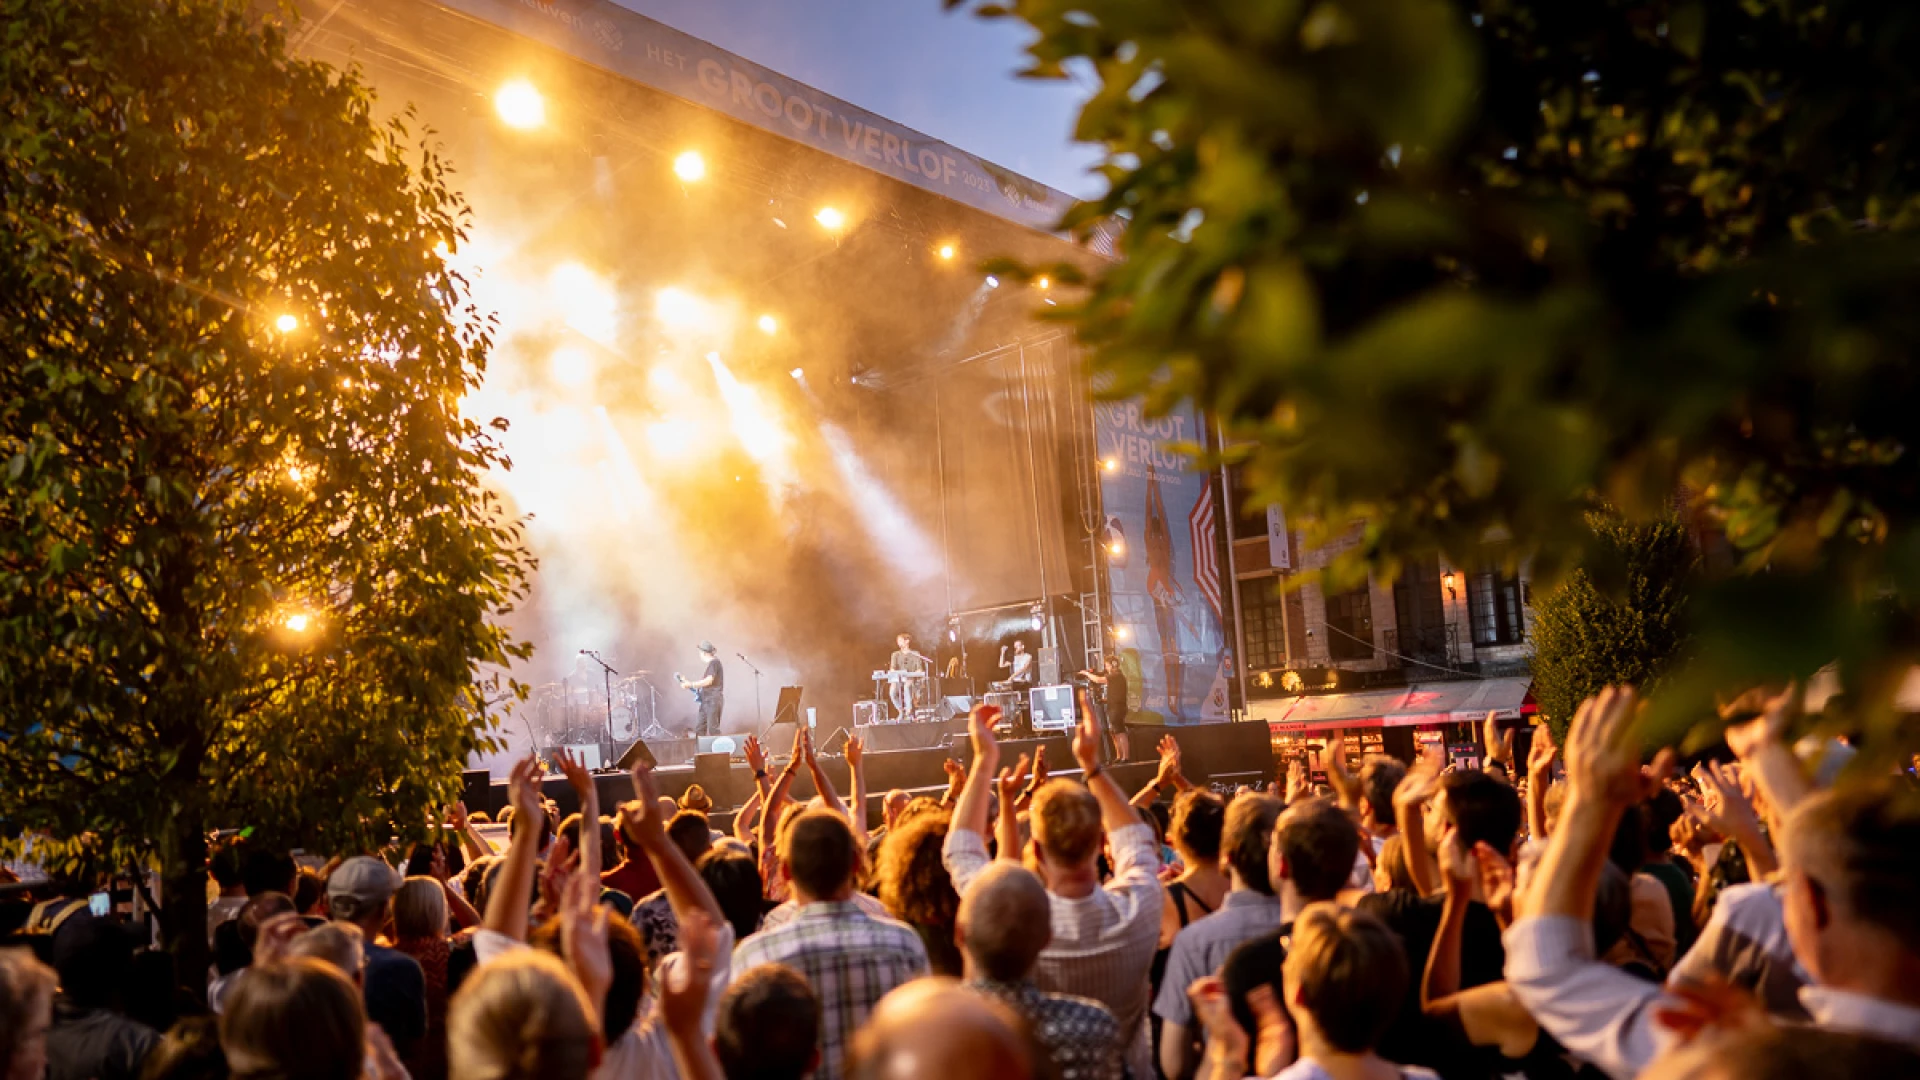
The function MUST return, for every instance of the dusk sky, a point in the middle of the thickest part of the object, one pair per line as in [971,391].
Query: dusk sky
[948,75]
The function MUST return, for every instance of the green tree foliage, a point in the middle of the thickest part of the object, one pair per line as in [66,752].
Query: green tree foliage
[249,573]
[1619,620]
[1473,267]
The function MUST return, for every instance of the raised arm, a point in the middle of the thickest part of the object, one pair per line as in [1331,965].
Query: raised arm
[1115,811]
[757,761]
[1039,777]
[857,781]
[475,845]
[1408,800]
[1006,832]
[777,801]
[1730,812]
[746,817]
[821,784]
[687,891]
[1442,976]
[970,812]
[1345,786]
[581,781]
[1761,746]
[507,909]
[1539,780]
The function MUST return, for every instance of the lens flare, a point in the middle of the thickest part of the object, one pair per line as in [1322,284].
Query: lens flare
[690,166]
[520,105]
[831,219]
[768,324]
[287,324]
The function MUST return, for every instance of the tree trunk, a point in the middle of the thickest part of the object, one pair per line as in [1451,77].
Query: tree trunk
[183,913]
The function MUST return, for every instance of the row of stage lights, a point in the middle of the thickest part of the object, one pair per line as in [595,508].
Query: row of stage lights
[522,107]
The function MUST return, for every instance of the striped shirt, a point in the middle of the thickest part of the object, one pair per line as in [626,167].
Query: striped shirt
[1103,943]
[850,958]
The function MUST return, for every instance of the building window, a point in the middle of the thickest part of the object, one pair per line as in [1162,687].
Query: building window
[1261,605]
[1493,603]
[1350,625]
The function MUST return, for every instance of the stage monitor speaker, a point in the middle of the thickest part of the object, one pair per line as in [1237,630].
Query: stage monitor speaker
[955,705]
[1052,708]
[714,771]
[786,709]
[1049,666]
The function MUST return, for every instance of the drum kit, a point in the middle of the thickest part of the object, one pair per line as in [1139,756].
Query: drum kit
[571,713]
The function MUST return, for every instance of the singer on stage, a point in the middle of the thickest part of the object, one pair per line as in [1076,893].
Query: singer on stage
[709,691]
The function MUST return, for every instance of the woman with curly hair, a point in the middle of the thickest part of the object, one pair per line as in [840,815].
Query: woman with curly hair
[914,885]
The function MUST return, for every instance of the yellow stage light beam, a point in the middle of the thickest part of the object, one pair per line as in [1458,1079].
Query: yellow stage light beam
[690,166]
[571,366]
[586,302]
[760,432]
[947,252]
[1110,464]
[682,311]
[673,438]
[768,324]
[520,105]
[831,219]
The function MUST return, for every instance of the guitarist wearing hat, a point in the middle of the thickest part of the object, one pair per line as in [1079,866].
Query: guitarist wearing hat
[709,691]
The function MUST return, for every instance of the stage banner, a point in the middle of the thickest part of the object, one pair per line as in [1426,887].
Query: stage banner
[630,45]
[1164,568]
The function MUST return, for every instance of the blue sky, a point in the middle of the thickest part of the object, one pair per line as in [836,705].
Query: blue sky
[948,75]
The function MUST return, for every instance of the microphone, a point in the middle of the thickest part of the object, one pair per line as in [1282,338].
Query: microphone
[741,655]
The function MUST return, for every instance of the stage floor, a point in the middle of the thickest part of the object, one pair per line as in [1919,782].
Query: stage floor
[1219,754]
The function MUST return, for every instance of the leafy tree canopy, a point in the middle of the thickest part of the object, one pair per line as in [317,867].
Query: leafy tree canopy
[1622,619]
[1466,268]
[249,573]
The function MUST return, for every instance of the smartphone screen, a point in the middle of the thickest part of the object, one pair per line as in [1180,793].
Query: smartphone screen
[100,904]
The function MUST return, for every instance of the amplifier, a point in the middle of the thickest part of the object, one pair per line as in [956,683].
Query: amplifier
[866,713]
[1053,708]
[1007,700]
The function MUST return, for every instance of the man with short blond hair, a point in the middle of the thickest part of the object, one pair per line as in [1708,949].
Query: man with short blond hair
[1104,935]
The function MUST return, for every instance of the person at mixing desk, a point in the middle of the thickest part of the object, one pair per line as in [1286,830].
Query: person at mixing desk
[1113,701]
[1019,665]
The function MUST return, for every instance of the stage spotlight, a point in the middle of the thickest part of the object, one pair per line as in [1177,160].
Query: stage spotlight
[1043,283]
[1110,464]
[286,324]
[947,252]
[992,282]
[768,324]
[1121,633]
[520,105]
[586,302]
[679,309]
[797,373]
[571,366]
[690,166]
[1117,548]
[831,219]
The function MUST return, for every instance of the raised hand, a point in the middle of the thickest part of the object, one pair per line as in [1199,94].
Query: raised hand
[1169,761]
[1011,782]
[523,789]
[1540,755]
[1226,1040]
[1727,807]
[1749,738]
[1496,881]
[1421,781]
[457,817]
[986,748]
[856,750]
[684,992]
[1603,752]
[1086,737]
[1298,787]
[583,936]
[799,753]
[575,770]
[956,779]
[1039,769]
[756,757]
[1499,743]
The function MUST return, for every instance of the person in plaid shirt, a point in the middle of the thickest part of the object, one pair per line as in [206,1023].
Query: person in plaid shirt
[850,958]
[1103,936]
[1003,926]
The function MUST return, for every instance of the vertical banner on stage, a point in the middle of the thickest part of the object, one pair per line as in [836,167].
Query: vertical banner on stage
[1164,567]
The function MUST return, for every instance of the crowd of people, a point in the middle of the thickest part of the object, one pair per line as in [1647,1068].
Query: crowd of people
[1590,914]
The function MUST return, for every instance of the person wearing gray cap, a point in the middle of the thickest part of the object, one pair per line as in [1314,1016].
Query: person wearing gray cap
[360,892]
[709,691]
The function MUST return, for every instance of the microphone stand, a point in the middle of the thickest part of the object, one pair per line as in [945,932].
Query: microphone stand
[756,687]
[608,673]
[933,687]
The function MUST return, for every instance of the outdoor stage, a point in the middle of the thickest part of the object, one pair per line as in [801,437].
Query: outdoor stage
[1221,754]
